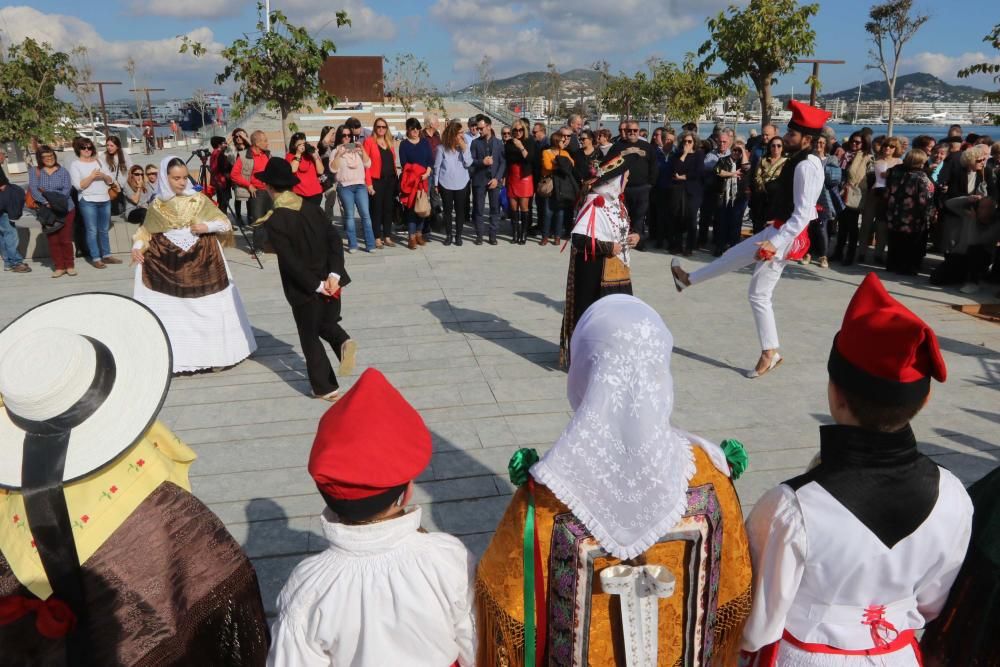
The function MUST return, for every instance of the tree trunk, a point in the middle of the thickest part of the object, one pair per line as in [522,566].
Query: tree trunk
[764,94]
[285,113]
[892,108]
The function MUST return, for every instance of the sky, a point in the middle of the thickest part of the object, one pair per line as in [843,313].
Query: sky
[452,36]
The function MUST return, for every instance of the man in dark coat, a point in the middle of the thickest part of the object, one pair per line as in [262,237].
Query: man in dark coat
[311,263]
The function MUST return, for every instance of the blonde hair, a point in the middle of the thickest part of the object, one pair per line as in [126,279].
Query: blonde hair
[895,144]
[915,159]
[390,142]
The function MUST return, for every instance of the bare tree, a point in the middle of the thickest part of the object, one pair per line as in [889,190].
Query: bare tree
[83,91]
[554,87]
[130,67]
[406,81]
[484,73]
[892,24]
[603,76]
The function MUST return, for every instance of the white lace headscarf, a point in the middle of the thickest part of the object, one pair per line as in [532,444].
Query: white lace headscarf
[163,189]
[619,465]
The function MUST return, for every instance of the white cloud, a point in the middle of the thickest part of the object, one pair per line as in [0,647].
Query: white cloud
[528,34]
[946,67]
[159,64]
[186,9]
[321,20]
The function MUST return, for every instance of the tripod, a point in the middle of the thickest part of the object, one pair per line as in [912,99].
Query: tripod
[203,184]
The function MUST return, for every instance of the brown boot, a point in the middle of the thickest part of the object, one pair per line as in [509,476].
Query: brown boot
[420,239]
[412,244]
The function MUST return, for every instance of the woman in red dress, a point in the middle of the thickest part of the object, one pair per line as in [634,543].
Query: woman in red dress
[520,155]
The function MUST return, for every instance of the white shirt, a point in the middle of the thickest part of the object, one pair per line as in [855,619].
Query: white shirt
[381,594]
[808,183]
[816,568]
[97,191]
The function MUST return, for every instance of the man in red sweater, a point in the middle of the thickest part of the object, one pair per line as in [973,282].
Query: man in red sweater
[247,164]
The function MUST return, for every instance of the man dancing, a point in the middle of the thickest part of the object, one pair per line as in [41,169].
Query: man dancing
[786,238]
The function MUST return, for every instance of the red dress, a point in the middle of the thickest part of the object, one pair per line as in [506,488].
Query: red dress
[519,181]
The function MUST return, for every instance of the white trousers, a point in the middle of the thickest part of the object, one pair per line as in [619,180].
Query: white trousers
[762,284]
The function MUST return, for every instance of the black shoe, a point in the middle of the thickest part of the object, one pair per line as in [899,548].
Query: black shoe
[458,241]
[446,242]
[493,241]
[478,241]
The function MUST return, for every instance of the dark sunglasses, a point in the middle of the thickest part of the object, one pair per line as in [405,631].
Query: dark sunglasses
[776,146]
[152,173]
[381,127]
[87,148]
[346,135]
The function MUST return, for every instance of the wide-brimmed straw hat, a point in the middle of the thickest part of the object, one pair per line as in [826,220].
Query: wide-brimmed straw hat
[96,364]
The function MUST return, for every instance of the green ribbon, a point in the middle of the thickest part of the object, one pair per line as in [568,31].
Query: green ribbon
[520,464]
[736,456]
[518,469]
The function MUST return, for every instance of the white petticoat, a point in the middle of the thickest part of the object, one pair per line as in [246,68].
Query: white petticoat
[790,655]
[204,332]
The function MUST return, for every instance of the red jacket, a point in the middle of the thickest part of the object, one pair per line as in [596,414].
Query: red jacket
[375,155]
[260,159]
[410,182]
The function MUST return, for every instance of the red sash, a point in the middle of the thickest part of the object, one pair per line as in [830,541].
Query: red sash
[767,656]
[799,246]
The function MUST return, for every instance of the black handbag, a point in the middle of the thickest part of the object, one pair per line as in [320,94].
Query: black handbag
[47,218]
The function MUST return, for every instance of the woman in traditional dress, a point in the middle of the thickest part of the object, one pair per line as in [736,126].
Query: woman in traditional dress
[639,556]
[599,258]
[182,275]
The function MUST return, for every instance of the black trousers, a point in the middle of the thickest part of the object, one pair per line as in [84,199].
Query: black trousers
[709,208]
[380,206]
[847,235]
[683,214]
[258,205]
[318,320]
[484,199]
[659,215]
[637,205]
[454,201]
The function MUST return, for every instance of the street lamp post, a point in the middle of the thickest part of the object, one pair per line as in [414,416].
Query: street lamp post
[100,87]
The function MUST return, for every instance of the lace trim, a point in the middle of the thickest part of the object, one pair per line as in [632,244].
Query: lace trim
[541,472]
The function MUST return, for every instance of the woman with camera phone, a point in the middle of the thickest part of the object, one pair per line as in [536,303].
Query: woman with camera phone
[307,165]
[351,164]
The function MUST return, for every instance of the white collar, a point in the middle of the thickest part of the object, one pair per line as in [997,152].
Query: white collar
[370,538]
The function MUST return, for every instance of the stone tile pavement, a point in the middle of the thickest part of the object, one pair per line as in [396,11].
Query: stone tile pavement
[470,336]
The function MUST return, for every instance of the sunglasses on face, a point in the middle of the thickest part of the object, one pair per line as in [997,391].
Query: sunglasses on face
[631,131]
[689,141]
[381,127]
[152,174]
[777,145]
[347,135]
[87,148]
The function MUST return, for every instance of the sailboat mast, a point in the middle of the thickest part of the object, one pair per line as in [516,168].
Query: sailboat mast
[856,105]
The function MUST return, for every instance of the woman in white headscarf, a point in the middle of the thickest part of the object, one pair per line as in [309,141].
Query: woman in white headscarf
[182,275]
[623,501]
[599,257]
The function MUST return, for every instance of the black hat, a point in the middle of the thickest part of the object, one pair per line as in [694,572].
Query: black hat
[611,168]
[278,174]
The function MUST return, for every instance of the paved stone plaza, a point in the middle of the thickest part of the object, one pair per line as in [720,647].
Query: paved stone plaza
[470,336]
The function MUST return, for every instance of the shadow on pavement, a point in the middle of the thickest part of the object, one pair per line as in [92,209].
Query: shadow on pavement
[481,325]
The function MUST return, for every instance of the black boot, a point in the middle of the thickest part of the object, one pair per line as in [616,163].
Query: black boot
[524,228]
[515,222]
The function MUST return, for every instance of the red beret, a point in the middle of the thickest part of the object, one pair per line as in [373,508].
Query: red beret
[806,119]
[369,441]
[883,351]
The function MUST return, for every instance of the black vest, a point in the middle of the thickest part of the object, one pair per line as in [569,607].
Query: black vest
[781,204]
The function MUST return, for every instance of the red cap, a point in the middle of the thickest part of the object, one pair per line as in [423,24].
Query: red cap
[806,119]
[369,441]
[883,351]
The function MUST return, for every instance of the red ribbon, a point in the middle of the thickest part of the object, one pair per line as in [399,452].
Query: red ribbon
[54,618]
[874,618]
[592,206]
